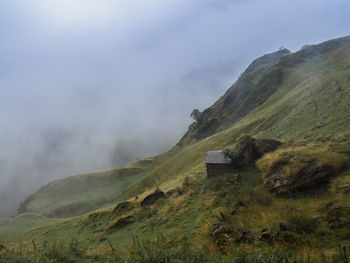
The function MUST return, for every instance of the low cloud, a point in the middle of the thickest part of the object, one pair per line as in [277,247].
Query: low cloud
[116,80]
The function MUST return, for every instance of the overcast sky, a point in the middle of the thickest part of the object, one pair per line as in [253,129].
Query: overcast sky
[88,84]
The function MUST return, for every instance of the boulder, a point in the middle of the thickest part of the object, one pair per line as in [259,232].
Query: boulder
[152,198]
[249,149]
[310,175]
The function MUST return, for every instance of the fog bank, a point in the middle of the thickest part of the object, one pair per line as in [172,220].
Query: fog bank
[87,85]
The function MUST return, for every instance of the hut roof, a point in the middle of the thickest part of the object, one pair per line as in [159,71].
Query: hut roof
[216,157]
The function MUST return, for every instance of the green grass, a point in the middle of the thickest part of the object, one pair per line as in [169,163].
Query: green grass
[10,229]
[163,250]
[80,194]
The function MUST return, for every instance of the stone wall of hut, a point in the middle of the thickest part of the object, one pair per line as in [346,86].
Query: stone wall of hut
[218,169]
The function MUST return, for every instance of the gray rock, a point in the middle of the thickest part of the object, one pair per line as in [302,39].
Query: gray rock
[249,149]
[307,177]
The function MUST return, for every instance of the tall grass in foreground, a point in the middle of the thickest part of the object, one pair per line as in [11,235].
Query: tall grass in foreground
[161,251]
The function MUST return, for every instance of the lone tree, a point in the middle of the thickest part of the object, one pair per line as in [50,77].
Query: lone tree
[196,114]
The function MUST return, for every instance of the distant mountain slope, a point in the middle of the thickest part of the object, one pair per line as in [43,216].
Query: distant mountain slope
[248,92]
[83,193]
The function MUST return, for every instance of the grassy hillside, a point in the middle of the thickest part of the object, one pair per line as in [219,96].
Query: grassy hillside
[80,194]
[314,90]
[249,91]
[10,228]
[308,110]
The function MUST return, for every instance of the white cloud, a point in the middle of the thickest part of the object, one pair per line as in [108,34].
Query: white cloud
[95,14]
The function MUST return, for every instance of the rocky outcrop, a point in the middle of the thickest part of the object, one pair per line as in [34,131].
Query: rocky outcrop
[249,149]
[311,175]
[152,198]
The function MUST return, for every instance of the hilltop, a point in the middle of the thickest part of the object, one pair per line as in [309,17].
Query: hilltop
[301,99]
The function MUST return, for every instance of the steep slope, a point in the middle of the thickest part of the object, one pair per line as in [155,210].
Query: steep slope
[309,110]
[314,88]
[249,91]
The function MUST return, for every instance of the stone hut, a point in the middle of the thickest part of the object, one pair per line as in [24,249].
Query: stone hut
[217,163]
